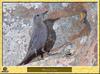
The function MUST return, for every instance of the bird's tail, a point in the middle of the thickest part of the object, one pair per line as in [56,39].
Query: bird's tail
[29,56]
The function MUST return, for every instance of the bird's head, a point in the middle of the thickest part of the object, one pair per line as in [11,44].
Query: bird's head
[39,17]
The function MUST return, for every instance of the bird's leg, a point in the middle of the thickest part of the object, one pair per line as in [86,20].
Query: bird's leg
[42,57]
[41,53]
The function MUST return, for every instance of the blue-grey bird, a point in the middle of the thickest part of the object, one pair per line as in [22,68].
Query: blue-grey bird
[38,39]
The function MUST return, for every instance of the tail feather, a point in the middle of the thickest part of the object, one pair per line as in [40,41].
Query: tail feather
[31,55]
[28,58]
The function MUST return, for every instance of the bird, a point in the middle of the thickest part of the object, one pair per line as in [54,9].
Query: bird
[38,39]
[86,30]
[85,20]
[51,38]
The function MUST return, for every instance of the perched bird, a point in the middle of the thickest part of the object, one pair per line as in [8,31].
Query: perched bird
[87,22]
[85,30]
[38,39]
[51,38]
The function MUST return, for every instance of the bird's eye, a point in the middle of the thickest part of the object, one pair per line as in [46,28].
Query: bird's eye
[37,15]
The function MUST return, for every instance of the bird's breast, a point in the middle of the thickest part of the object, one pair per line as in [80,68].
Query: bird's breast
[39,36]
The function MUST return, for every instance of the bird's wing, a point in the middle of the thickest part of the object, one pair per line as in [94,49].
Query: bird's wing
[33,41]
[38,39]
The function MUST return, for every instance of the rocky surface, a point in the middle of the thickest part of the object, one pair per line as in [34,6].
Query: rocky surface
[16,36]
